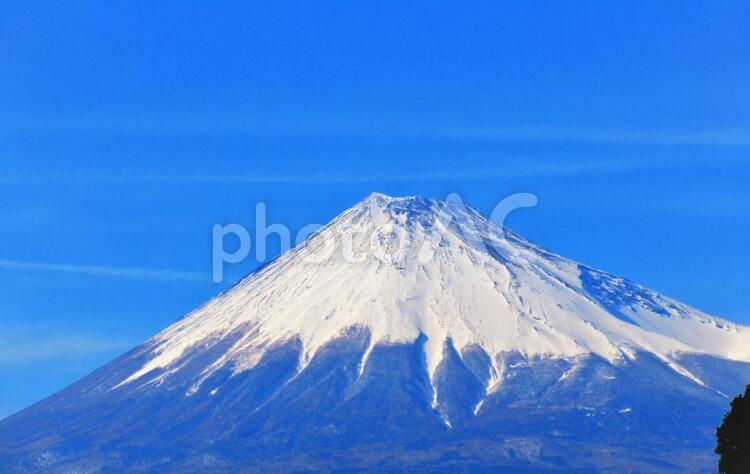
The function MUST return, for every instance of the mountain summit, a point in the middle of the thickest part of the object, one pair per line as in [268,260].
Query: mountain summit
[405,268]
[406,330]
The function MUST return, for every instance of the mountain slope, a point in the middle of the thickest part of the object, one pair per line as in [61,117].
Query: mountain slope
[405,329]
[442,270]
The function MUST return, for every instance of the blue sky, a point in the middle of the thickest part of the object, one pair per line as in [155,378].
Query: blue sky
[127,129]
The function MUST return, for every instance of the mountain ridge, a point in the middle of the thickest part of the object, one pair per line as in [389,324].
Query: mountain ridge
[426,338]
[503,256]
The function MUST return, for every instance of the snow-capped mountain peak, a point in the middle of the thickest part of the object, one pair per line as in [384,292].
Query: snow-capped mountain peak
[409,268]
[407,330]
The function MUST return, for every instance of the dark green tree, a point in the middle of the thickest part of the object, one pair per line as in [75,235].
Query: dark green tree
[733,437]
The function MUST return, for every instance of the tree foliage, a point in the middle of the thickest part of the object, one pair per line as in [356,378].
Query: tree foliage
[733,437]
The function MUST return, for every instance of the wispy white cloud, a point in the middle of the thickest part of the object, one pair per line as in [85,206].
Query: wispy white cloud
[100,270]
[338,127]
[468,168]
[14,349]
[464,169]
[616,136]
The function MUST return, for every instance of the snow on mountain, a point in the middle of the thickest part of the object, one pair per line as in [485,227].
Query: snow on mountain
[407,335]
[405,268]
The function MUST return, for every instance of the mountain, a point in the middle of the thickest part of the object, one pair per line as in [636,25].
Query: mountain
[407,334]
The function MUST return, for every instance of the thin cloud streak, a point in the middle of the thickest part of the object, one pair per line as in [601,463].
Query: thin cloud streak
[36,348]
[502,168]
[719,137]
[328,128]
[99,270]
